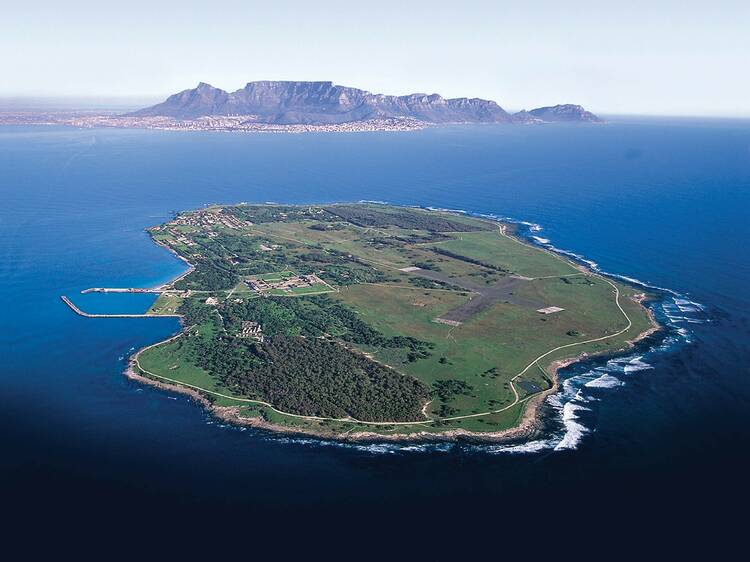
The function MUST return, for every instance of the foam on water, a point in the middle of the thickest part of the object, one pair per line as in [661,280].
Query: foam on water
[375,448]
[576,389]
[521,448]
[459,211]
[605,381]
[574,430]
[376,202]
[637,365]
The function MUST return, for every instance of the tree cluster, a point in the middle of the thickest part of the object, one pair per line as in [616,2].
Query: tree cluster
[447,389]
[403,218]
[467,259]
[426,283]
[312,376]
[208,276]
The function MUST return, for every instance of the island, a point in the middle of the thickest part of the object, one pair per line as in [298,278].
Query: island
[373,321]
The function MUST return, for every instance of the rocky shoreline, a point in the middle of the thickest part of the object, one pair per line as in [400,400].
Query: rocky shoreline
[531,424]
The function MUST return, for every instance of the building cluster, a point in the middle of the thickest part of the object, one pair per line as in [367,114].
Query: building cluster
[242,123]
[550,310]
[208,218]
[297,282]
[251,330]
[182,239]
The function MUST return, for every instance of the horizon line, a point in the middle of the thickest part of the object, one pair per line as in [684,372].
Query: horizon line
[96,102]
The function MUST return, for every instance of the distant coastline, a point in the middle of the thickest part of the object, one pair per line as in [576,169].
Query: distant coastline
[220,124]
[226,124]
[303,107]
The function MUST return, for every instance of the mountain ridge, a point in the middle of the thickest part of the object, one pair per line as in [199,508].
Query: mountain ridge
[324,103]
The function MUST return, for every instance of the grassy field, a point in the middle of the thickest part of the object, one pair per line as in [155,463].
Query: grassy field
[316,288]
[167,303]
[274,276]
[168,360]
[478,365]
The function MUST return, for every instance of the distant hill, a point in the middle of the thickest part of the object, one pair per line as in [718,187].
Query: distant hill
[567,113]
[322,103]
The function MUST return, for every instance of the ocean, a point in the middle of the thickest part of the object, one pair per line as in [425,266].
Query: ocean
[661,201]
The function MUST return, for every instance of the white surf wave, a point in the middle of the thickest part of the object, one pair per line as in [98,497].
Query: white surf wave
[574,430]
[444,210]
[636,365]
[605,381]
[376,448]
[373,201]
[521,448]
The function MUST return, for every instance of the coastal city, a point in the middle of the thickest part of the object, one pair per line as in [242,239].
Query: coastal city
[223,123]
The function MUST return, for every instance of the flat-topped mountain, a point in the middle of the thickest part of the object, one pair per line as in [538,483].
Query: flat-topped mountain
[323,103]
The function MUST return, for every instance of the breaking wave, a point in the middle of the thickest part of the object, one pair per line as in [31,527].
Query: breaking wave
[605,381]
[568,410]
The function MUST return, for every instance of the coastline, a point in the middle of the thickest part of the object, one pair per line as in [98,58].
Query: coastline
[182,275]
[216,124]
[529,426]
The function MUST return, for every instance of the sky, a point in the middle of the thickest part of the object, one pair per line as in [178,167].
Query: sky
[660,57]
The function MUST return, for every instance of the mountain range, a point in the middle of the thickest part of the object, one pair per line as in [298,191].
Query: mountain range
[323,103]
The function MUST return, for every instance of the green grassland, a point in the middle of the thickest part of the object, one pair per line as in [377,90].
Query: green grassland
[275,276]
[166,303]
[168,360]
[505,253]
[449,345]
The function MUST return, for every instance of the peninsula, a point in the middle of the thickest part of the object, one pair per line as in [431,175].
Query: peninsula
[358,321]
[297,107]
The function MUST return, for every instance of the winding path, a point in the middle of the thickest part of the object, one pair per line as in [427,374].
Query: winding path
[429,421]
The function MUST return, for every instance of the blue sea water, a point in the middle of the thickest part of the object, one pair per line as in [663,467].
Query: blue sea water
[661,201]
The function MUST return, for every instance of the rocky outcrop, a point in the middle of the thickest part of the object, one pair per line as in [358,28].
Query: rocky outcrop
[568,113]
